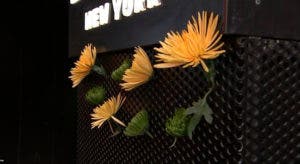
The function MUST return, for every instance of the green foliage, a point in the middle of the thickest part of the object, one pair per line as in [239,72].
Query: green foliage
[138,125]
[99,70]
[199,109]
[95,95]
[177,125]
[119,72]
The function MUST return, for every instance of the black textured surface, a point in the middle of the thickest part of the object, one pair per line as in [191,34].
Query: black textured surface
[255,104]
[275,18]
[272,100]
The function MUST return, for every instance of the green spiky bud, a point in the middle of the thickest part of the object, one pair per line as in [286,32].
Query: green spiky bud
[138,125]
[117,74]
[95,95]
[177,125]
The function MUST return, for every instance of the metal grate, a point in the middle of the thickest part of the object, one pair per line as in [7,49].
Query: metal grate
[255,104]
[272,101]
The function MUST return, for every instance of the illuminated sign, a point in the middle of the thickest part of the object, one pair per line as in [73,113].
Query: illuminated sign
[103,14]
[120,24]
[74,1]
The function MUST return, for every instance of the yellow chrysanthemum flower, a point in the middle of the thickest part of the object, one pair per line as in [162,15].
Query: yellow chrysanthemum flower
[107,111]
[84,65]
[200,41]
[140,72]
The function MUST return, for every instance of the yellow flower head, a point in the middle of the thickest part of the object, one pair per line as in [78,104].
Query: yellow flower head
[140,72]
[84,65]
[198,42]
[107,110]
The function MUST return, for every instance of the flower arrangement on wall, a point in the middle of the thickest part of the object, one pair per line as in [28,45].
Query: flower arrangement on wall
[199,42]
[85,65]
[196,45]
[140,71]
[107,111]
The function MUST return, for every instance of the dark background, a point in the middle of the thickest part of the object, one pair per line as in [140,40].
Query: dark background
[38,112]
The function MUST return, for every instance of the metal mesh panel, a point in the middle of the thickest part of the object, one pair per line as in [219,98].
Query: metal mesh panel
[272,110]
[255,104]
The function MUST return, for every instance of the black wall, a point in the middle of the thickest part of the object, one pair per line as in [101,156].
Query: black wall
[38,111]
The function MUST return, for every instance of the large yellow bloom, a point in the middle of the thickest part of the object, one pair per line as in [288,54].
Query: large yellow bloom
[198,42]
[140,72]
[107,111]
[84,65]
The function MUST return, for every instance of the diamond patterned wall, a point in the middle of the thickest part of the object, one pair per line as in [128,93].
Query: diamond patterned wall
[256,108]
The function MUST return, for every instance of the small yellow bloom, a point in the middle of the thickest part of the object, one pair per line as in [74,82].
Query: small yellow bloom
[200,41]
[107,111]
[84,65]
[140,72]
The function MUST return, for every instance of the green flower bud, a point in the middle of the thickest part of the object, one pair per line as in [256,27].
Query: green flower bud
[138,125]
[117,74]
[95,95]
[177,125]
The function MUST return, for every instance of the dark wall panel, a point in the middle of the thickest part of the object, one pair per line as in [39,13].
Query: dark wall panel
[255,104]
[268,18]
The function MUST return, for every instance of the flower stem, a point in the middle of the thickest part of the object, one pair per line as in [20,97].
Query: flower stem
[174,142]
[210,76]
[149,134]
[99,69]
[111,128]
[118,121]
[209,91]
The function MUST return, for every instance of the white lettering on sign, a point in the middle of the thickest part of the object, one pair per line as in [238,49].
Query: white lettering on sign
[102,15]
[127,7]
[153,3]
[74,1]
[98,16]
[139,5]
[117,4]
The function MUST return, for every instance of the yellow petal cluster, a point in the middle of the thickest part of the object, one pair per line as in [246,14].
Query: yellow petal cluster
[140,72]
[107,111]
[199,42]
[84,65]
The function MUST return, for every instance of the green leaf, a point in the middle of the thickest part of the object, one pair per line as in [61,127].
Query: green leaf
[194,121]
[117,74]
[199,109]
[138,125]
[192,110]
[195,108]
[208,118]
[207,112]
[99,69]
[95,95]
